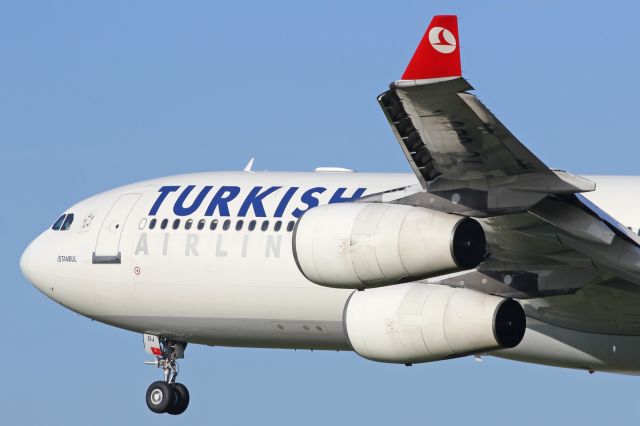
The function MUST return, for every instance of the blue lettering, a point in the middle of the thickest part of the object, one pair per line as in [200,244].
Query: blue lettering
[309,199]
[285,200]
[164,191]
[221,200]
[254,199]
[338,198]
[179,208]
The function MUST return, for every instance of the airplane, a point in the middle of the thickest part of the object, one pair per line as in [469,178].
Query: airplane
[481,250]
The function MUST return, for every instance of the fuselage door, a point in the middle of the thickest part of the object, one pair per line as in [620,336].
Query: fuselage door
[108,243]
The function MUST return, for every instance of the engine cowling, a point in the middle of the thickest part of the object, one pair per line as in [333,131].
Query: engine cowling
[414,322]
[358,245]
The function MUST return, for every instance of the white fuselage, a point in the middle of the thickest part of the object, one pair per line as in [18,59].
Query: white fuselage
[239,286]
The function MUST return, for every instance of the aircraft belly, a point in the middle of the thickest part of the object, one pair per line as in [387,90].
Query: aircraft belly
[229,312]
[240,332]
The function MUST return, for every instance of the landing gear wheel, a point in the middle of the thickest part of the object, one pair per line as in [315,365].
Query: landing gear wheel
[160,396]
[181,401]
[166,396]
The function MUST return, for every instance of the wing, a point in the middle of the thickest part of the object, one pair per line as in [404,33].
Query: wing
[544,238]
[454,144]
[448,133]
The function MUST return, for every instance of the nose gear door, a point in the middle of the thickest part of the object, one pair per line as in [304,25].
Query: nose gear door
[108,243]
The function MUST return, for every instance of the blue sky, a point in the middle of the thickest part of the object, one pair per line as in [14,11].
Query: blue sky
[94,95]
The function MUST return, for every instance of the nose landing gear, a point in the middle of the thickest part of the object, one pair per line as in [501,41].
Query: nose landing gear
[166,396]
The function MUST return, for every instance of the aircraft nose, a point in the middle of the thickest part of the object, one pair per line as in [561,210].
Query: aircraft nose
[32,266]
[24,263]
[41,266]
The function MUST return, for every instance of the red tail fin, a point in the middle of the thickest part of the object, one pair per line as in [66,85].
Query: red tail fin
[438,54]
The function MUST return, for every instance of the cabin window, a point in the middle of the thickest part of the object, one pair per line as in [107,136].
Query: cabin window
[277,225]
[67,222]
[201,223]
[265,225]
[152,223]
[214,224]
[252,225]
[188,224]
[176,224]
[226,225]
[164,223]
[239,225]
[291,225]
[56,226]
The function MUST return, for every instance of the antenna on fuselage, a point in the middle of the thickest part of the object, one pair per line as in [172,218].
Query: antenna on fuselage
[249,165]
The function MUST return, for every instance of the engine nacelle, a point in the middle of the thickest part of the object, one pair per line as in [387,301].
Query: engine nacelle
[358,245]
[414,322]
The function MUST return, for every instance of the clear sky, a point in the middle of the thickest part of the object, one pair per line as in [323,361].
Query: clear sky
[94,95]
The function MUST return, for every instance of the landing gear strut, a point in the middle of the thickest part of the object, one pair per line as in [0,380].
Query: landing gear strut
[166,396]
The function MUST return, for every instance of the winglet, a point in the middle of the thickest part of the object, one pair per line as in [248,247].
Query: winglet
[438,54]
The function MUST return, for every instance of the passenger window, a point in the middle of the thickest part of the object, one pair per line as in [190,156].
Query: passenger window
[265,225]
[152,223]
[239,225]
[164,223]
[252,225]
[214,224]
[67,222]
[176,224]
[226,225]
[277,226]
[290,225]
[56,226]
[201,223]
[187,224]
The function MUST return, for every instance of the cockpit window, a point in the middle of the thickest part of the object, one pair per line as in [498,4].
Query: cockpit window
[63,223]
[67,222]
[56,226]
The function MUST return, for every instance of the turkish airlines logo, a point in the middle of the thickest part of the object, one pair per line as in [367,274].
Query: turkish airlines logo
[442,40]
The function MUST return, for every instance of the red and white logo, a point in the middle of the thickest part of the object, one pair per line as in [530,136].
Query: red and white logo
[442,40]
[438,54]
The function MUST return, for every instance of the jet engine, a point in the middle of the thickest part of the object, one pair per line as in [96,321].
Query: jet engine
[359,245]
[414,322]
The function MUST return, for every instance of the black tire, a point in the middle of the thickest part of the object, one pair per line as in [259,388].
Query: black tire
[181,400]
[160,396]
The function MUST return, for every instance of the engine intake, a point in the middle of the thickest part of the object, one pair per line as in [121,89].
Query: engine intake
[409,323]
[357,245]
